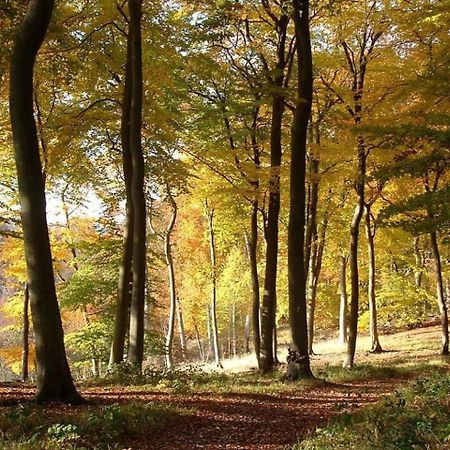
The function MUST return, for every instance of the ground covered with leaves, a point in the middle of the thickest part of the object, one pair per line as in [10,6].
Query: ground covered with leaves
[386,405]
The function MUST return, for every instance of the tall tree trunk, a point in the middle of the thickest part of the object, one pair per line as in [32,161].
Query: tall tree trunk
[212,248]
[181,329]
[121,322]
[357,66]
[440,292]
[54,381]
[266,362]
[373,327]
[137,311]
[25,334]
[298,360]
[172,286]
[343,299]
[252,246]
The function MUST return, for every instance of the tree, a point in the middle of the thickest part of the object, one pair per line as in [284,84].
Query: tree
[209,212]
[299,357]
[54,381]
[139,261]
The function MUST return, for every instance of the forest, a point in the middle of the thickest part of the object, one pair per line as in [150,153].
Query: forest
[224,224]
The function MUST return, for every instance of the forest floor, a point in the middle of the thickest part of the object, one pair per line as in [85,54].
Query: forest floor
[230,410]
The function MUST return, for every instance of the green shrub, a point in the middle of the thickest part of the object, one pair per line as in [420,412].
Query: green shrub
[416,418]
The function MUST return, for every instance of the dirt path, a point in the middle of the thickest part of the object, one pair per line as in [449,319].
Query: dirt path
[250,421]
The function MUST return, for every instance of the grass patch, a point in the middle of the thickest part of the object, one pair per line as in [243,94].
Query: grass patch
[28,426]
[418,417]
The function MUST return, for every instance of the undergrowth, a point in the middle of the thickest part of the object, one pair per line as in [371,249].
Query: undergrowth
[418,417]
[31,427]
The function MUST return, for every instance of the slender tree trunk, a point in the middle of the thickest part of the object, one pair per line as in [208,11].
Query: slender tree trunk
[354,271]
[373,327]
[201,352]
[266,362]
[440,293]
[418,273]
[137,311]
[312,209]
[25,334]
[172,285]
[122,313]
[210,354]
[316,269]
[252,246]
[343,299]
[212,248]
[247,334]
[298,360]
[275,345]
[181,329]
[54,381]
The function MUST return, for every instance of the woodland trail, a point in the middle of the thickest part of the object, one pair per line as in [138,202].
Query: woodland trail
[260,418]
[236,420]
[252,421]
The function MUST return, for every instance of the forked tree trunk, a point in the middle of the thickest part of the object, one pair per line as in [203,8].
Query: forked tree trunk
[122,313]
[137,310]
[25,334]
[266,362]
[373,326]
[298,360]
[212,248]
[357,66]
[440,293]
[343,299]
[54,381]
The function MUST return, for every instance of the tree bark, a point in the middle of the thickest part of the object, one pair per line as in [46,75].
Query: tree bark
[137,310]
[373,327]
[181,329]
[298,360]
[343,299]
[122,313]
[172,286]
[266,362]
[252,246]
[54,381]
[440,293]
[25,334]
[212,248]
[312,209]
